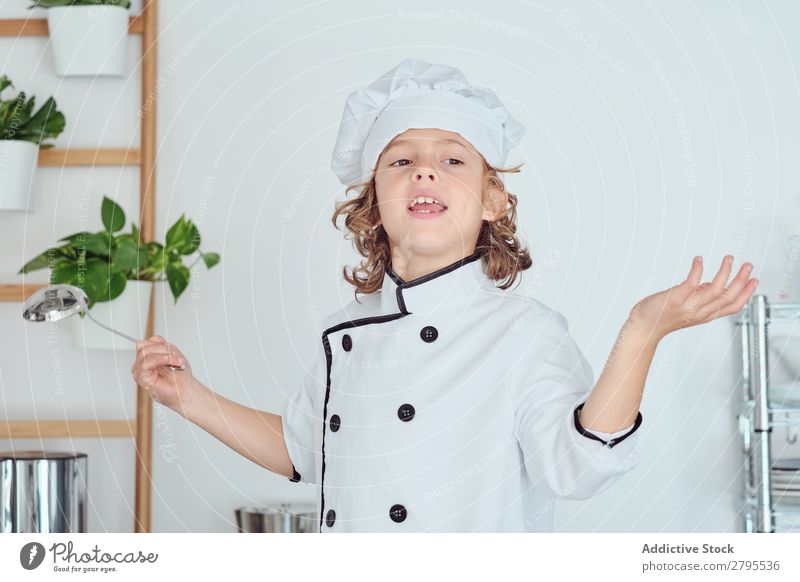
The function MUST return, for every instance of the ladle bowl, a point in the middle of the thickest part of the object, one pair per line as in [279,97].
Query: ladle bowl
[57,302]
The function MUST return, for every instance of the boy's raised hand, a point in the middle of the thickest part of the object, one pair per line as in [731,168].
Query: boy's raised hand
[692,303]
[150,371]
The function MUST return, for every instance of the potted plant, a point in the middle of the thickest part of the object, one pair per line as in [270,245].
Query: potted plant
[89,37]
[21,135]
[116,270]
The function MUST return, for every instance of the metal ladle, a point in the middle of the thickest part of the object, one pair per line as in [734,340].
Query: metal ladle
[58,302]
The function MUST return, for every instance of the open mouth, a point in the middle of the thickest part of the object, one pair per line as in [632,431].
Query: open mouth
[426,205]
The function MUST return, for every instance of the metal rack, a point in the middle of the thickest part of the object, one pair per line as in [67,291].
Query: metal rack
[758,414]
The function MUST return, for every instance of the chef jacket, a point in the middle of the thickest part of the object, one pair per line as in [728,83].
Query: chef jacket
[445,404]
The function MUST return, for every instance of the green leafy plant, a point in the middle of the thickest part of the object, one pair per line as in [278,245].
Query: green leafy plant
[18,122]
[54,3]
[101,263]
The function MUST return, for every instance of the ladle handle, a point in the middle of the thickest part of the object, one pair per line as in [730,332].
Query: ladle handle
[127,337]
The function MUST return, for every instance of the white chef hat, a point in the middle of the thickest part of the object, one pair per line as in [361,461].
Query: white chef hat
[417,94]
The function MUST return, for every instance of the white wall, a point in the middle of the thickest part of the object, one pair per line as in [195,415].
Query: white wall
[656,132]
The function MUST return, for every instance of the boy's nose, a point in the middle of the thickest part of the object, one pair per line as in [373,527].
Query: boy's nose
[424,174]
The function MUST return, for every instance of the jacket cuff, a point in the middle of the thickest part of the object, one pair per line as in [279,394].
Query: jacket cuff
[609,442]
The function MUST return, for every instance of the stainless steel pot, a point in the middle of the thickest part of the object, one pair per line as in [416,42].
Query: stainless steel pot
[286,518]
[42,492]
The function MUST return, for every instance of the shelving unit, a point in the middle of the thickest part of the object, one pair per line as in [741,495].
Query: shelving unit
[759,414]
[140,428]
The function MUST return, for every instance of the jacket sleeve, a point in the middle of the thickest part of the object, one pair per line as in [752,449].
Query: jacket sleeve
[302,421]
[570,461]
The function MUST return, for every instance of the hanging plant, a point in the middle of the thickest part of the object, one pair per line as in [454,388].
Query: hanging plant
[101,263]
[53,3]
[88,37]
[23,129]
[18,121]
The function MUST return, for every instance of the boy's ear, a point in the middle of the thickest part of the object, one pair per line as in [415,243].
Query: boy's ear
[495,202]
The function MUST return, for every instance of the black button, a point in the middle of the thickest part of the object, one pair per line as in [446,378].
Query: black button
[429,333]
[347,343]
[330,518]
[335,422]
[398,513]
[405,412]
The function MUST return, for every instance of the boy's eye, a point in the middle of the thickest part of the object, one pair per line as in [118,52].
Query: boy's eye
[458,162]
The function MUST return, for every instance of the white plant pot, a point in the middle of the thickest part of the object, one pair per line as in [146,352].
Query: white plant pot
[89,40]
[18,161]
[127,314]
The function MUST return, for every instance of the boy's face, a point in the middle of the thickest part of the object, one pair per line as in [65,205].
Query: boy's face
[423,162]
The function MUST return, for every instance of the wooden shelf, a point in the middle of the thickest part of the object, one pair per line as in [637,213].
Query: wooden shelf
[89,157]
[38,26]
[19,292]
[22,429]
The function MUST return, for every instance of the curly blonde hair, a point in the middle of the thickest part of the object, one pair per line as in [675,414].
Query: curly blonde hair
[497,242]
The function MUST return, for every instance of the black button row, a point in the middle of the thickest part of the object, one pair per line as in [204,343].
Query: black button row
[397,513]
[405,413]
[427,333]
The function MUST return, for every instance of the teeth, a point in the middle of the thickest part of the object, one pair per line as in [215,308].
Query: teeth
[429,200]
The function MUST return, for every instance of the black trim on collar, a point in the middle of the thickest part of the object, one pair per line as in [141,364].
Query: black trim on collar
[295,475]
[610,443]
[437,273]
[394,276]
[402,285]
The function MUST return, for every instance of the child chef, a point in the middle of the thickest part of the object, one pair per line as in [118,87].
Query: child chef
[438,400]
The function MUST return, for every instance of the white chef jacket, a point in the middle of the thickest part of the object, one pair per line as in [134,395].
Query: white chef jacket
[445,404]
